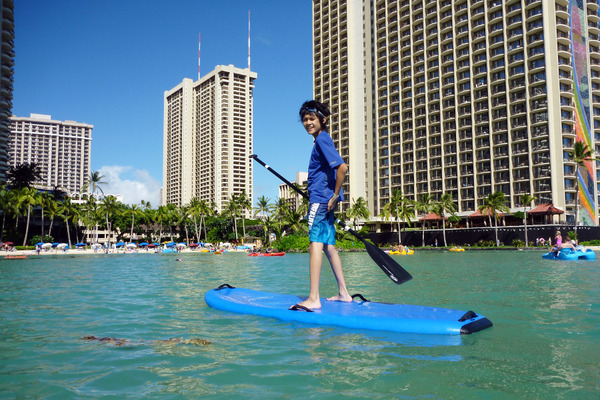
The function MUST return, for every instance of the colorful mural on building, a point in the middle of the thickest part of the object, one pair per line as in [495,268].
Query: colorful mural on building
[587,214]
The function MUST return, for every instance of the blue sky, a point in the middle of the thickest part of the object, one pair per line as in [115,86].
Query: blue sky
[108,63]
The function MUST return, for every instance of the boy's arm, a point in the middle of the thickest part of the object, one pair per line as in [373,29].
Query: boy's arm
[340,175]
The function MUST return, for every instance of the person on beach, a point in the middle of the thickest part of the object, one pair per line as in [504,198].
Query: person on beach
[326,173]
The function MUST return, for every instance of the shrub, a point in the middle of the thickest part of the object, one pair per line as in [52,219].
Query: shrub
[518,243]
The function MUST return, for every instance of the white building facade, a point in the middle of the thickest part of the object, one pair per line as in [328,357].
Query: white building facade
[466,97]
[61,148]
[208,136]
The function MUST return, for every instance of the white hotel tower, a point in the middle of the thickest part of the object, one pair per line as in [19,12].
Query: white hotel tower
[207,138]
[61,148]
[466,97]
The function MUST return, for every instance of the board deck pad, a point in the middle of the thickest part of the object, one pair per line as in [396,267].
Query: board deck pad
[355,315]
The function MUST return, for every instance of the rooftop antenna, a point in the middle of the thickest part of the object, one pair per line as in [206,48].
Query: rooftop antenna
[199,37]
[248,39]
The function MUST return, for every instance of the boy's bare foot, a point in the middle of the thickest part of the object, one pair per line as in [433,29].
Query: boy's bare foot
[340,297]
[312,305]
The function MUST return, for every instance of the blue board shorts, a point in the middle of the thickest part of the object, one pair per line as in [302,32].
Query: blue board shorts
[321,228]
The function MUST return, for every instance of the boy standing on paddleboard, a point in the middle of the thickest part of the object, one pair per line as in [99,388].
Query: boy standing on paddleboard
[326,173]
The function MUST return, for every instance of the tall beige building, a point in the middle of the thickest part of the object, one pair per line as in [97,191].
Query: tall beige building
[61,148]
[208,138]
[466,97]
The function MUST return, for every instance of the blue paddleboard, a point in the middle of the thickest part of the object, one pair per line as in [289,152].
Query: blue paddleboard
[357,315]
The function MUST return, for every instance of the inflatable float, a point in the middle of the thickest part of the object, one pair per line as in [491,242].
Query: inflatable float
[266,254]
[456,248]
[403,252]
[355,315]
[571,254]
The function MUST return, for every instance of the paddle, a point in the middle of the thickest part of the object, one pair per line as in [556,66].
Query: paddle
[392,269]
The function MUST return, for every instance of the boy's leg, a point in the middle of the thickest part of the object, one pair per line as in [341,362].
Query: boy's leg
[336,267]
[316,260]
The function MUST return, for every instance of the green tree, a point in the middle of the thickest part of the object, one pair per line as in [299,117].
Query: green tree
[445,204]
[109,206]
[52,209]
[424,206]
[68,210]
[95,182]
[401,208]
[358,209]
[232,209]
[23,175]
[580,155]
[526,201]
[494,204]
[244,204]
[27,197]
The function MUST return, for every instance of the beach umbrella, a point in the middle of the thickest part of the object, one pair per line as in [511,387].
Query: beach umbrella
[39,243]
[46,245]
[120,244]
[152,245]
[171,244]
[193,244]
[144,244]
[181,245]
[55,244]
[62,246]
[131,245]
[79,244]
[8,243]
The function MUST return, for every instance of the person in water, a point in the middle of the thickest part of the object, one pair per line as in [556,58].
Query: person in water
[326,173]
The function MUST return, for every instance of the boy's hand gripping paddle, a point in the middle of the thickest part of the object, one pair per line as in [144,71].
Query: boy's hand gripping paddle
[388,265]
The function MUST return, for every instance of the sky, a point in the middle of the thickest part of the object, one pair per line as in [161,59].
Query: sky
[109,62]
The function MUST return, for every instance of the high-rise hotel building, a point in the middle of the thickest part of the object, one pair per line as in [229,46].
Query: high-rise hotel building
[466,97]
[7,63]
[62,149]
[208,138]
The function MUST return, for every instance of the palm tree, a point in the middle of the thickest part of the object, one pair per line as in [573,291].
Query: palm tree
[68,211]
[358,210]
[424,205]
[27,197]
[581,155]
[44,201]
[494,203]
[445,204]
[96,179]
[109,206]
[526,200]
[263,207]
[52,209]
[134,209]
[232,209]
[244,203]
[23,175]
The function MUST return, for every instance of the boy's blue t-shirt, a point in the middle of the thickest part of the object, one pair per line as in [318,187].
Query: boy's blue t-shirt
[322,169]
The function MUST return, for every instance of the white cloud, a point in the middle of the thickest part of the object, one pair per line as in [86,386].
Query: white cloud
[134,185]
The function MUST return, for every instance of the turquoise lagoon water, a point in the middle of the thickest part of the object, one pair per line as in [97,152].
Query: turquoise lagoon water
[545,342]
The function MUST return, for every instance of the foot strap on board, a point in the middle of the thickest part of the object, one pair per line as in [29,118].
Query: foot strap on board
[298,307]
[360,296]
[225,286]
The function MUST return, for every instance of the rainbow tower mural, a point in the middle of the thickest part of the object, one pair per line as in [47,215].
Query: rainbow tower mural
[579,51]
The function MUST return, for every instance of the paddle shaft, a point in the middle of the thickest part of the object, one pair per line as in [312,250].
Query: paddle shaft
[393,270]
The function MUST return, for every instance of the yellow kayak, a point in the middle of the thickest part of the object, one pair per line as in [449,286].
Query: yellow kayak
[456,248]
[403,252]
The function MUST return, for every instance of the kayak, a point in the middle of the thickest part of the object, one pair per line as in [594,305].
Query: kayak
[362,314]
[403,252]
[571,254]
[456,248]
[266,254]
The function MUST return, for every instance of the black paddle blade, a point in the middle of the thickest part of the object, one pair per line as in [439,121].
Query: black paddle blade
[387,264]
